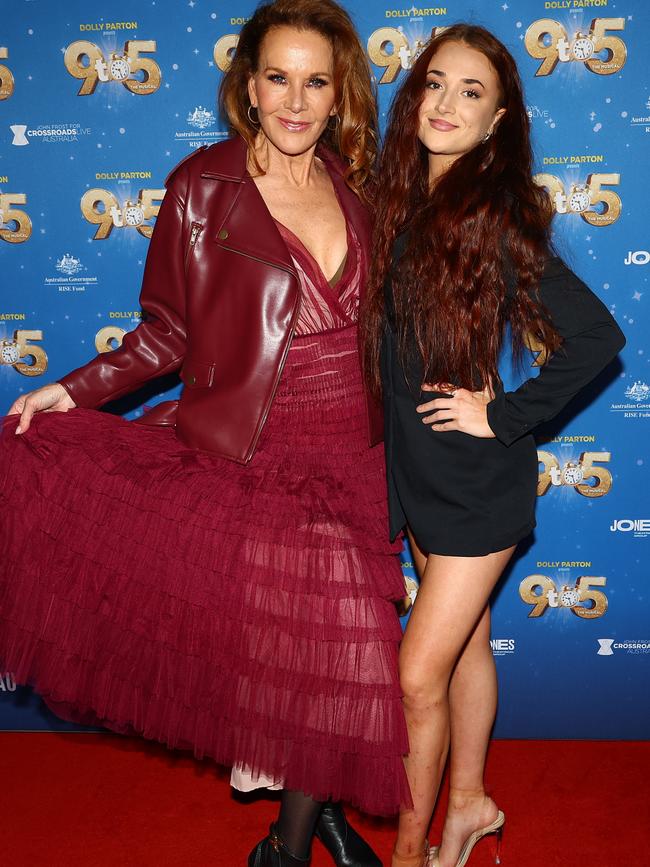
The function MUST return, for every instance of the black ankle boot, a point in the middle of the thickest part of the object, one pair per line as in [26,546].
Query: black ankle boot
[345,845]
[272,852]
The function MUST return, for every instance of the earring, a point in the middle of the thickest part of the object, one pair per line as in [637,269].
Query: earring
[337,120]
[486,136]
[248,112]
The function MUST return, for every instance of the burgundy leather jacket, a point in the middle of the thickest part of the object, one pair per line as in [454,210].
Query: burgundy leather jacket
[220,297]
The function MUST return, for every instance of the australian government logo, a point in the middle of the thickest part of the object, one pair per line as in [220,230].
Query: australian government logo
[200,120]
[610,646]
[637,403]
[72,275]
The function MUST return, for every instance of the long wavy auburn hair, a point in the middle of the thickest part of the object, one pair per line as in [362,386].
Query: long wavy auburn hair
[485,222]
[354,137]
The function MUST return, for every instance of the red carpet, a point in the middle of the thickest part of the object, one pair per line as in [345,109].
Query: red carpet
[104,801]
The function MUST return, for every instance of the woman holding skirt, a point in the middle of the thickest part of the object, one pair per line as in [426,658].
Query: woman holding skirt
[217,576]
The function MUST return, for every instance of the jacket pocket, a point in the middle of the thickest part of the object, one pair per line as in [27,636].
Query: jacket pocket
[195,232]
[198,374]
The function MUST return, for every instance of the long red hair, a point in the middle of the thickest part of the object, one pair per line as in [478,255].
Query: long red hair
[485,223]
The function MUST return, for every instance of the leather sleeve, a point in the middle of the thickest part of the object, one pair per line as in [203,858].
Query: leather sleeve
[591,339]
[157,345]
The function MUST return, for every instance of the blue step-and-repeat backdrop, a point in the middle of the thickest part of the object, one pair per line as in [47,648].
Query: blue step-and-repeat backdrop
[99,100]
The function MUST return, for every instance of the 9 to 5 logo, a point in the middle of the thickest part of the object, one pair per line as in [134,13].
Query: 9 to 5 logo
[548,40]
[102,208]
[575,474]
[15,225]
[390,49]
[6,78]
[109,338]
[596,206]
[541,592]
[11,351]
[85,60]
[224,50]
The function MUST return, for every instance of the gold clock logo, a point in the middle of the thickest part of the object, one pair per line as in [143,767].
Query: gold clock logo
[575,474]
[548,41]
[140,75]
[542,593]
[103,209]
[15,225]
[224,50]
[596,206]
[34,357]
[390,50]
[6,77]
[109,338]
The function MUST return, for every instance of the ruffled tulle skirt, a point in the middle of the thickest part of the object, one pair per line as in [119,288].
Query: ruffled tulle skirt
[244,612]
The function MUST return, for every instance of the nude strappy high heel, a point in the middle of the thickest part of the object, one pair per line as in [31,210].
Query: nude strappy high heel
[495,827]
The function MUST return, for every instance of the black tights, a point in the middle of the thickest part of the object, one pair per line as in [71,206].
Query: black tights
[297,820]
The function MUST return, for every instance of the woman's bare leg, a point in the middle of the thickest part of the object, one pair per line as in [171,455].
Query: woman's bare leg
[449,608]
[472,702]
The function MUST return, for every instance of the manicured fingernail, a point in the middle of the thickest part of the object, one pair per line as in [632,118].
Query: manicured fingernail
[19,430]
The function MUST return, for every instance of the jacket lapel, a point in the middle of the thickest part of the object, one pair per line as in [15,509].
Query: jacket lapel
[356,212]
[248,227]
[264,241]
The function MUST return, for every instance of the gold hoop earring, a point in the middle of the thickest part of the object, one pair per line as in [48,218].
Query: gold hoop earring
[248,113]
[337,120]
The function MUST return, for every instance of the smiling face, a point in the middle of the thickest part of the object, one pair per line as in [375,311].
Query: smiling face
[293,88]
[460,104]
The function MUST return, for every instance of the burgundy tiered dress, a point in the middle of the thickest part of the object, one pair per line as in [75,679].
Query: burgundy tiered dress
[244,612]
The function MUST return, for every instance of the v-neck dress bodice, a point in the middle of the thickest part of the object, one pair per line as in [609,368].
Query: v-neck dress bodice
[324,306]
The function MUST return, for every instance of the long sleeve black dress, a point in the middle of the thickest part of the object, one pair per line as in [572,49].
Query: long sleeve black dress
[468,496]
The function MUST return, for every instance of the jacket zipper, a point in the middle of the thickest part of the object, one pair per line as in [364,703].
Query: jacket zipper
[196,230]
[274,390]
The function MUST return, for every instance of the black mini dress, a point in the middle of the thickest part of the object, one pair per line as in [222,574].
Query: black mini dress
[468,496]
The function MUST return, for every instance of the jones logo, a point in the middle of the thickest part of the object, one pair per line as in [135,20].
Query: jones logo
[637,526]
[7,682]
[638,257]
[502,646]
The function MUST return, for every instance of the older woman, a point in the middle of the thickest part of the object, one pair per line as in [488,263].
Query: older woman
[218,576]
